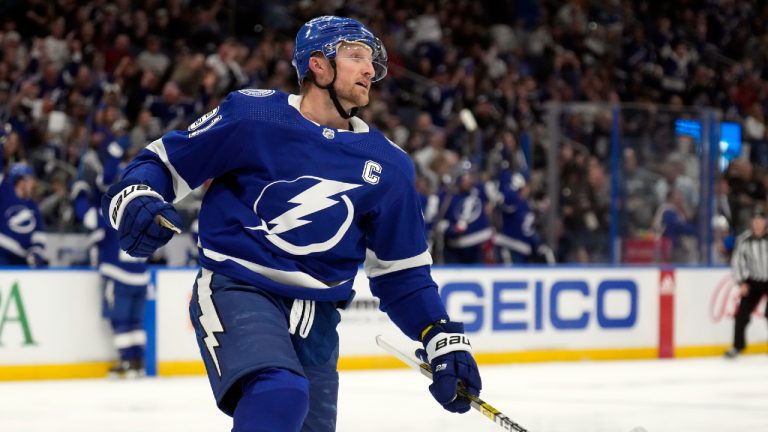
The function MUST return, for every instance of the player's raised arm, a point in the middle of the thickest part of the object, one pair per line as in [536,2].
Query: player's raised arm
[182,160]
[138,206]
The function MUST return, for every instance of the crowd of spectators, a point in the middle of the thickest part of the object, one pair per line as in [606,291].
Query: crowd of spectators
[468,81]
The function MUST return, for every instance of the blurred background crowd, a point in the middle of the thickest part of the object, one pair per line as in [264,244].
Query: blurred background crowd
[467,96]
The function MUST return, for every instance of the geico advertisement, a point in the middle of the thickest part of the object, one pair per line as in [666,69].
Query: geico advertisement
[540,308]
[503,310]
[706,301]
[524,309]
[52,317]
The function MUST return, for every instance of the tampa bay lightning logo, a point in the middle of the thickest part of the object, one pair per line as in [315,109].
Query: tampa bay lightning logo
[305,215]
[469,209]
[21,219]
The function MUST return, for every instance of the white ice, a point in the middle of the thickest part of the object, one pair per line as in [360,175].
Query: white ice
[682,395]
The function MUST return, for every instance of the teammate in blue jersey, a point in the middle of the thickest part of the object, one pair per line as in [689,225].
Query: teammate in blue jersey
[518,241]
[466,223]
[124,278]
[125,281]
[303,192]
[22,235]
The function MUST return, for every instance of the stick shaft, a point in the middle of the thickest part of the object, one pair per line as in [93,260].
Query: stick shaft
[485,408]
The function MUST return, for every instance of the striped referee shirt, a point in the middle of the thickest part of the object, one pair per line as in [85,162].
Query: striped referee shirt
[750,258]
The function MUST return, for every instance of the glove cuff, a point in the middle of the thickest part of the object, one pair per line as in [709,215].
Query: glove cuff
[445,337]
[120,201]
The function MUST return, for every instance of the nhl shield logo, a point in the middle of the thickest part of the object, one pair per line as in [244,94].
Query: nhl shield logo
[329,133]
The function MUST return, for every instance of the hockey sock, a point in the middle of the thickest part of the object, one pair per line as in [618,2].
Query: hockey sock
[273,400]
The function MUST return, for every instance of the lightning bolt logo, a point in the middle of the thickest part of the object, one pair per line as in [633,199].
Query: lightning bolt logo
[21,219]
[312,200]
[209,319]
[470,209]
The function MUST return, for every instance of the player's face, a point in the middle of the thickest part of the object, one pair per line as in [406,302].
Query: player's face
[25,187]
[354,71]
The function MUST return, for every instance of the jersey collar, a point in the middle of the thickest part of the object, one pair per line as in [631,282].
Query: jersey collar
[358,125]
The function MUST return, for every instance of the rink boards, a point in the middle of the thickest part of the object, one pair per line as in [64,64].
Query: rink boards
[50,323]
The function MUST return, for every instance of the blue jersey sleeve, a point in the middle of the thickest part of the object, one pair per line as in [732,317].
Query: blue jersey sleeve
[182,160]
[397,259]
[410,298]
[395,234]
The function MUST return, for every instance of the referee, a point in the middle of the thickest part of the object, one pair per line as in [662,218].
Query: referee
[750,270]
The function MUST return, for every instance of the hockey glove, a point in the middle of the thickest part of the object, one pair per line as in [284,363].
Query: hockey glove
[132,209]
[449,354]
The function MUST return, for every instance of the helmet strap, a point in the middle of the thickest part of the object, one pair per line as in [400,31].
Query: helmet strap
[333,96]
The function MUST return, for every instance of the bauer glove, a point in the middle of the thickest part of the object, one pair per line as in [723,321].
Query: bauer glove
[134,210]
[449,354]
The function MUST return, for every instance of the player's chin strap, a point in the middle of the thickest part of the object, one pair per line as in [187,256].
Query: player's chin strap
[334,97]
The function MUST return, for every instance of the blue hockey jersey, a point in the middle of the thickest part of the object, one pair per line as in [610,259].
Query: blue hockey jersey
[517,218]
[466,218]
[21,229]
[295,207]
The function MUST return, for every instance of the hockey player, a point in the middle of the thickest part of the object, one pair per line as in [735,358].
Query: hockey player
[518,242]
[303,192]
[124,278]
[22,236]
[465,225]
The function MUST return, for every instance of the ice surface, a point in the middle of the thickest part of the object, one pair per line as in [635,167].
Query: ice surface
[697,395]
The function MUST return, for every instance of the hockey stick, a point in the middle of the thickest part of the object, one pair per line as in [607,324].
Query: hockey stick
[485,409]
[165,223]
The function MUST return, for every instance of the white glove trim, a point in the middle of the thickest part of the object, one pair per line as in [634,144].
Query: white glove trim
[444,343]
[120,201]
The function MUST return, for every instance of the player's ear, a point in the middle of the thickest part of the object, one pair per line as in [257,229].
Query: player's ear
[320,68]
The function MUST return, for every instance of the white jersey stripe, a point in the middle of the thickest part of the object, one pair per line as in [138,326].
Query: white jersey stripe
[471,239]
[12,246]
[180,186]
[378,267]
[114,272]
[292,278]
[512,243]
